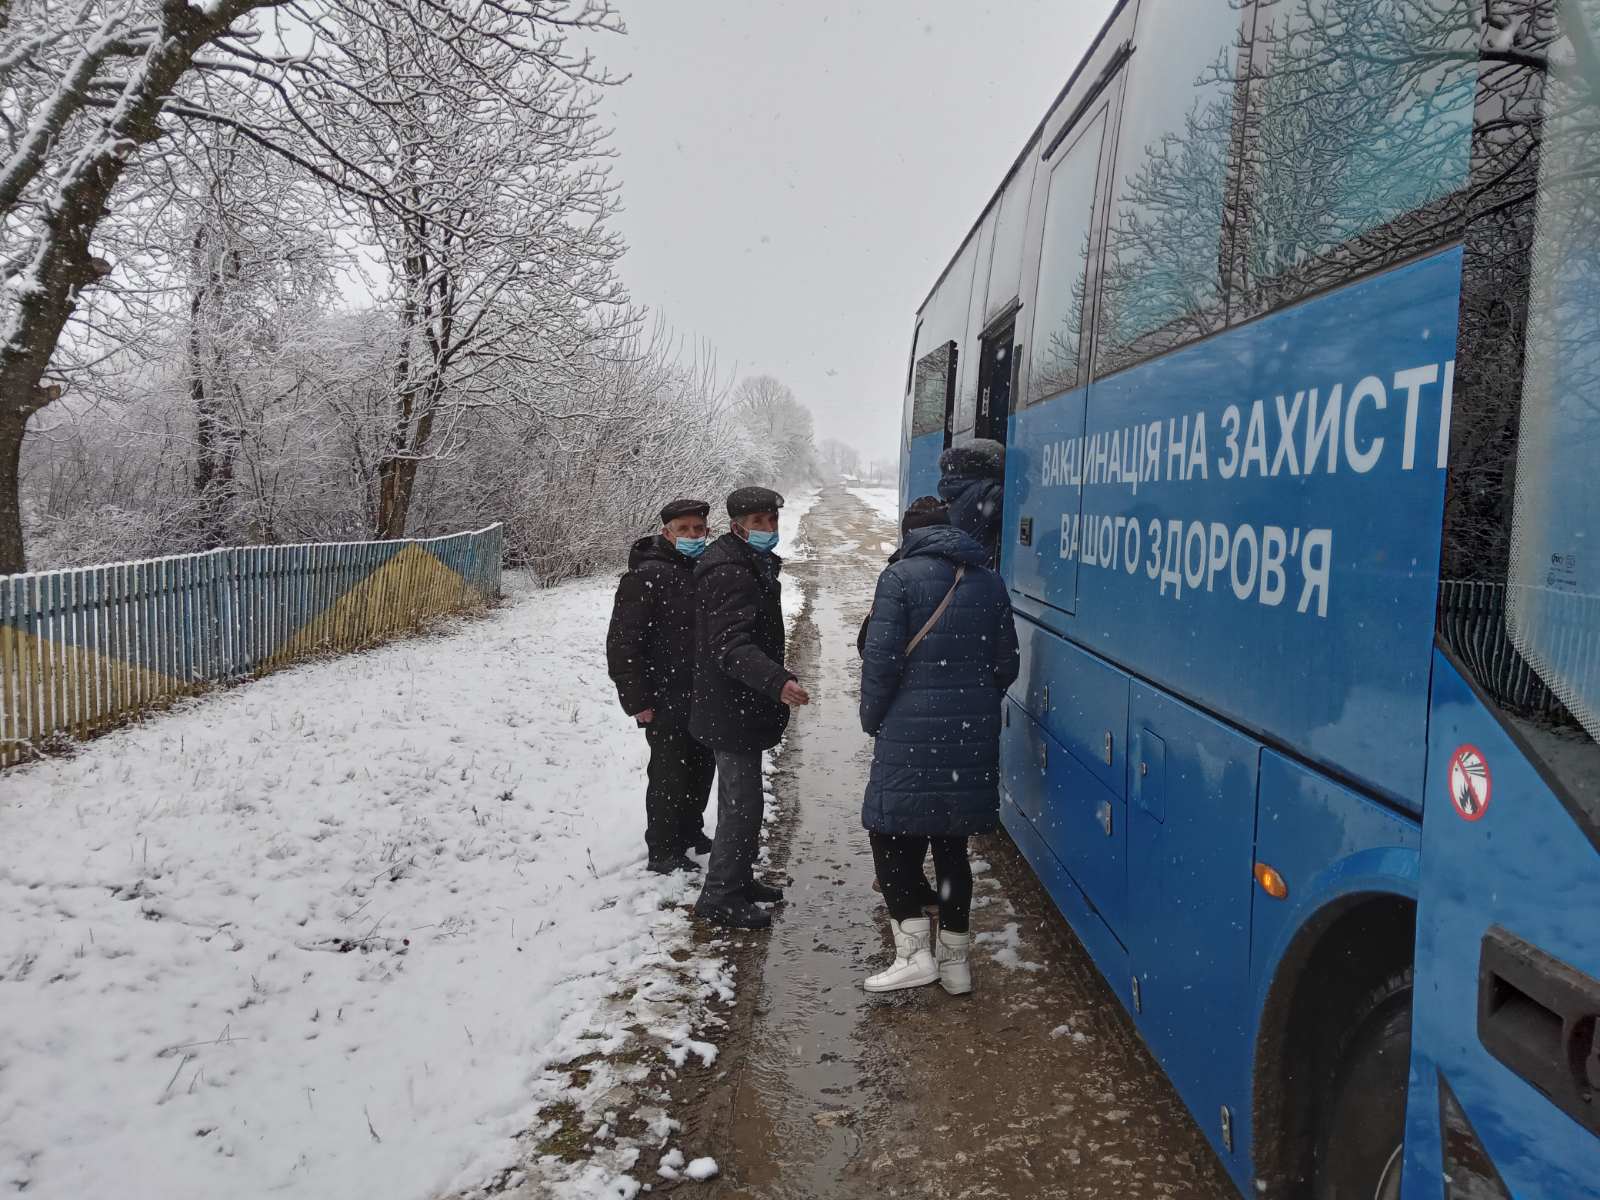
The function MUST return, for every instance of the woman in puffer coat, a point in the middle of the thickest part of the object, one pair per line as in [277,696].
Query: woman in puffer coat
[935,712]
[972,485]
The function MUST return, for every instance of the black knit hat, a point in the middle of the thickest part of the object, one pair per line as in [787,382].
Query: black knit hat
[685,508]
[983,458]
[928,510]
[746,500]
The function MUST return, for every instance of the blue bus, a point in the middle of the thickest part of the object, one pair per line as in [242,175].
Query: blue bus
[1289,316]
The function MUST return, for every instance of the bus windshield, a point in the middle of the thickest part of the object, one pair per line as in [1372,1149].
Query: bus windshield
[1553,597]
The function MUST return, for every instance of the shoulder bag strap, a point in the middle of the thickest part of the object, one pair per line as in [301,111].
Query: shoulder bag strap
[937,613]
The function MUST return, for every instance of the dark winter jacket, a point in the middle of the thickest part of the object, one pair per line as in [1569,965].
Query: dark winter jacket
[936,715]
[971,485]
[650,645]
[738,667]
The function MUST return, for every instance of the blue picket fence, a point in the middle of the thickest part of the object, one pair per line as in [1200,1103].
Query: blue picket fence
[85,648]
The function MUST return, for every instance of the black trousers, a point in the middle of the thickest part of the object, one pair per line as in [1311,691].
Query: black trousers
[898,858]
[679,786]
[740,802]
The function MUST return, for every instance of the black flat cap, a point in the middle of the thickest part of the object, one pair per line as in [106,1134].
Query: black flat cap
[685,508]
[746,500]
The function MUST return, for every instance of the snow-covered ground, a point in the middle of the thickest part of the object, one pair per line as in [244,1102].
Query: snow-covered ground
[791,547]
[795,506]
[333,932]
[884,501]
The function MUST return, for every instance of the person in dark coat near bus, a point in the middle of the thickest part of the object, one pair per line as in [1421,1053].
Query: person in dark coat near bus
[650,657]
[972,485]
[742,696]
[941,649]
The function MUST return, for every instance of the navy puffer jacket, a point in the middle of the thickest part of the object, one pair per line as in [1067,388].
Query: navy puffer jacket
[936,715]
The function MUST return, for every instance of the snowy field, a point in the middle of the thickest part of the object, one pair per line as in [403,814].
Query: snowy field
[795,506]
[791,548]
[882,500]
[329,933]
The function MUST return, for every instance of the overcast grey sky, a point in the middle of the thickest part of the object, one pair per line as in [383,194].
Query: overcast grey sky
[796,173]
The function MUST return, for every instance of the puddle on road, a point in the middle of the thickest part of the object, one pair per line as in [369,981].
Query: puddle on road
[1035,1086]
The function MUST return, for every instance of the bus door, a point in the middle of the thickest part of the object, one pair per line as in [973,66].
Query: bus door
[996,373]
[1044,473]
[1505,1052]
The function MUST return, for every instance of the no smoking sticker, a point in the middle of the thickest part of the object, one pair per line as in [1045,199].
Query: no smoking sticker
[1469,782]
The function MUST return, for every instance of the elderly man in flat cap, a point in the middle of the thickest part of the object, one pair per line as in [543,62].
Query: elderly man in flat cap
[742,696]
[650,657]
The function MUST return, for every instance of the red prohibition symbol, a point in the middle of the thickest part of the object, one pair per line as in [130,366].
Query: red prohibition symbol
[1470,783]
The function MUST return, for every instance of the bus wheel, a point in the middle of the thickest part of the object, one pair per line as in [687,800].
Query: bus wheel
[1363,1109]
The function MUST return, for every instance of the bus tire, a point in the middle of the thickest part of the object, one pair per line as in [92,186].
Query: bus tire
[1362,1123]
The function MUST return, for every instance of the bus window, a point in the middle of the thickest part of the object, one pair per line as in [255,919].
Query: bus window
[933,391]
[1063,266]
[1358,142]
[1161,281]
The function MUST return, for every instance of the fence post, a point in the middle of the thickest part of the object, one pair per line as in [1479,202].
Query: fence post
[8,683]
[227,643]
[496,549]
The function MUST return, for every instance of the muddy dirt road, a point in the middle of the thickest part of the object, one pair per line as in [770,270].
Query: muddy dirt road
[1034,1086]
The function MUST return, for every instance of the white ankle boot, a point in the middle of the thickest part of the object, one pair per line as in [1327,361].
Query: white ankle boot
[955,974]
[913,964]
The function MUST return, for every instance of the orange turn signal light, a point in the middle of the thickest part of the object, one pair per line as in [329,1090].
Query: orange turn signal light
[1271,882]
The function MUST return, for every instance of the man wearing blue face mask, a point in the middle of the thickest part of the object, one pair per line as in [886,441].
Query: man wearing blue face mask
[742,696]
[650,657]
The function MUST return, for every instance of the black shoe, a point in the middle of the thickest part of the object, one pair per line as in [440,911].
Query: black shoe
[700,843]
[762,893]
[733,914]
[677,862]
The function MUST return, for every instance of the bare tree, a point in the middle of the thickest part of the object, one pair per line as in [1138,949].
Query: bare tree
[781,428]
[500,258]
[94,91]
[260,258]
[574,493]
[839,458]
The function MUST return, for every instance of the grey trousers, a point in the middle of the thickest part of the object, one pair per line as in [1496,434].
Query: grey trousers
[738,836]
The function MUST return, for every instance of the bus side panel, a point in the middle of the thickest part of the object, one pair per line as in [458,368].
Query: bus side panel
[1022,759]
[1212,505]
[1328,842]
[921,474]
[1523,865]
[1081,705]
[1189,892]
[1080,699]
[1026,781]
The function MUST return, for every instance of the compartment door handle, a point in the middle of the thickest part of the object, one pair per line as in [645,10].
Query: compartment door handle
[1539,1016]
